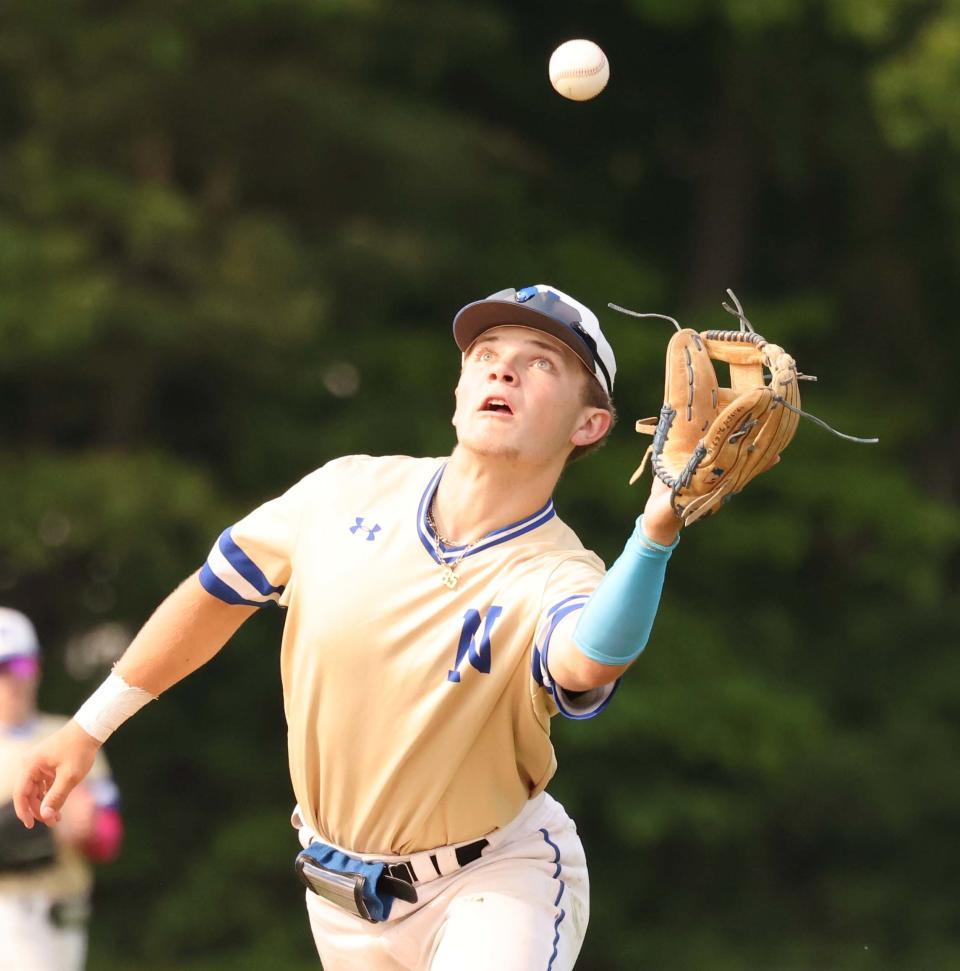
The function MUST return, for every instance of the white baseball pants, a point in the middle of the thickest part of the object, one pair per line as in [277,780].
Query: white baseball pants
[523,906]
[30,941]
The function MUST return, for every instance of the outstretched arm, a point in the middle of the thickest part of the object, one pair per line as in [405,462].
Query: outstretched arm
[184,632]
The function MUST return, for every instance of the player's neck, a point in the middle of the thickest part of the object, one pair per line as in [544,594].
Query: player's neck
[478,495]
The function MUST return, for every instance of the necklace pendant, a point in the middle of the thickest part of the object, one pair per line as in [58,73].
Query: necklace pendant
[449,578]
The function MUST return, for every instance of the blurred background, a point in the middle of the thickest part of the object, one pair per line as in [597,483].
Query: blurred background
[233,235]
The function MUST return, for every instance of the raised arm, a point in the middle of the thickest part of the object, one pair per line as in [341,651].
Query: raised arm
[184,632]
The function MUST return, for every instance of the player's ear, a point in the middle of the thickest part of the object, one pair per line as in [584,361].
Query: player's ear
[456,401]
[594,424]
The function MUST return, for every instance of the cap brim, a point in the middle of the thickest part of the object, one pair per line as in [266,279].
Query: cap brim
[480,316]
[21,665]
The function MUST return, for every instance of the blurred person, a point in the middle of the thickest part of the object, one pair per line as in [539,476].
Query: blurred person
[439,615]
[46,879]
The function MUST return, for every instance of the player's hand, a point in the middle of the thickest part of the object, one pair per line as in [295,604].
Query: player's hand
[660,522]
[49,773]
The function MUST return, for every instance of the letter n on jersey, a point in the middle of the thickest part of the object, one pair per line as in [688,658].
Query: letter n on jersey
[479,657]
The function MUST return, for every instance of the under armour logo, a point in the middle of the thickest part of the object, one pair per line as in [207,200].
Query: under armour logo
[371,531]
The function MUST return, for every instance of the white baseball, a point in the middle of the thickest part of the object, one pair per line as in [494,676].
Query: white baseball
[579,70]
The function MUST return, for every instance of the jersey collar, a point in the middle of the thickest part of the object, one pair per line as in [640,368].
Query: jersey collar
[23,730]
[450,554]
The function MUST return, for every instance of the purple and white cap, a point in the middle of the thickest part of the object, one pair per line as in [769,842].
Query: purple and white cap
[546,309]
[19,647]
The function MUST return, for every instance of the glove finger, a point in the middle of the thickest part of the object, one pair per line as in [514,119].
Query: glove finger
[689,407]
[691,390]
[727,440]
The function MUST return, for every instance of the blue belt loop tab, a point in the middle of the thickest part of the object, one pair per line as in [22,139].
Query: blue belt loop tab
[615,624]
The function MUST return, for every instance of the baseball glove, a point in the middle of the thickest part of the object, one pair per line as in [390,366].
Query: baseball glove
[22,848]
[710,441]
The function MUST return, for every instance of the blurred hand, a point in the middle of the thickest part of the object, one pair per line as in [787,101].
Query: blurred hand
[50,772]
[77,817]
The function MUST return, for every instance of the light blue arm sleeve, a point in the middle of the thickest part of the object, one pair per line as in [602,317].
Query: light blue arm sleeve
[615,623]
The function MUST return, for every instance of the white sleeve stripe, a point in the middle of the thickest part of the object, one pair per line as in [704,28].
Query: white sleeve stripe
[224,570]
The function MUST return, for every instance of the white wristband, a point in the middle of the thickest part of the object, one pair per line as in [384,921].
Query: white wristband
[110,706]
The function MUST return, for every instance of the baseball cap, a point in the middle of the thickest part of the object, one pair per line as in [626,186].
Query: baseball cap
[546,309]
[18,639]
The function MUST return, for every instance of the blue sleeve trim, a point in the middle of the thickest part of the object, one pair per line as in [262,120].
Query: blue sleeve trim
[217,588]
[244,565]
[563,603]
[616,623]
[535,666]
[565,706]
[541,667]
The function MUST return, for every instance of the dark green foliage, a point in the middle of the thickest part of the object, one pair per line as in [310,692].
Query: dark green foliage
[232,238]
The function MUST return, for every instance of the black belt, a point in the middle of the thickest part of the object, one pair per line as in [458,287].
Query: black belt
[464,854]
[346,887]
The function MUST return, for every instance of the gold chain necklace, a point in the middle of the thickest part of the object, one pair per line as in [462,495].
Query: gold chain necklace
[449,576]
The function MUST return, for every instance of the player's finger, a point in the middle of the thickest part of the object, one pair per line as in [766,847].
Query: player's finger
[28,794]
[26,808]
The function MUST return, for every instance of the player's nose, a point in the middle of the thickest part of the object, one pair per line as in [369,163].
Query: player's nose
[502,370]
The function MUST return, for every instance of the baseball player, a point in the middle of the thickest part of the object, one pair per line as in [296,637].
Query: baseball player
[438,614]
[45,875]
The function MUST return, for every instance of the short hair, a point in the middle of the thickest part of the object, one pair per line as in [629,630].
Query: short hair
[593,395]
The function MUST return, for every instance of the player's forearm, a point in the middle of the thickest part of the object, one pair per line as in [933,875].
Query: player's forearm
[615,624]
[184,632]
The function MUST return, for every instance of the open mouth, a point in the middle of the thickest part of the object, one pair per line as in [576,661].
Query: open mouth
[497,405]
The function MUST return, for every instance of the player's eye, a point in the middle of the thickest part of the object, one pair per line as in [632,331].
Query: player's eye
[543,364]
[484,356]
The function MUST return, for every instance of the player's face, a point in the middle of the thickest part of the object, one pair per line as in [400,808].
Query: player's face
[17,697]
[520,396]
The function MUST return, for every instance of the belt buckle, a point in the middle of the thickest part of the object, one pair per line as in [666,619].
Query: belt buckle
[343,889]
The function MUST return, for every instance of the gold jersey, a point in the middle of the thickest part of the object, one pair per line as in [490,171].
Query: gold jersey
[417,713]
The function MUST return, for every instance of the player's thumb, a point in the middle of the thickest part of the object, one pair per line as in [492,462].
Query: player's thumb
[56,796]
